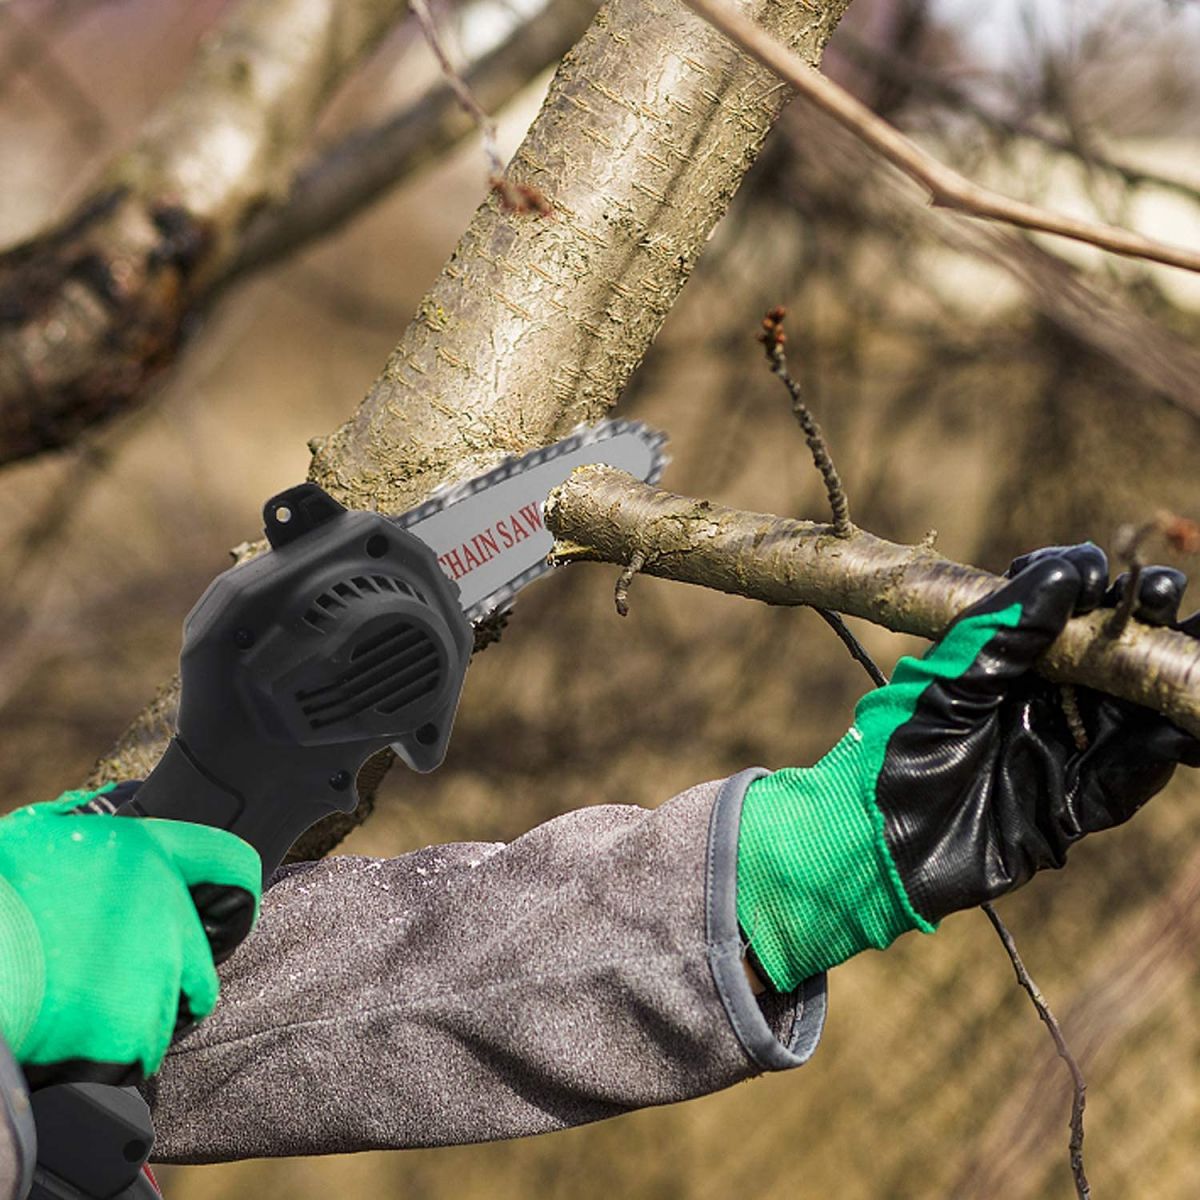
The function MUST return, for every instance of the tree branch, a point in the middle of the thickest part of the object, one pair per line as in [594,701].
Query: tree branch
[947,188]
[365,164]
[536,325]
[603,515]
[93,309]
[1078,1084]
[1098,316]
[894,68]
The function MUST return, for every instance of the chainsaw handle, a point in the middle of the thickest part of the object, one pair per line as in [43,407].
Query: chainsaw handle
[270,818]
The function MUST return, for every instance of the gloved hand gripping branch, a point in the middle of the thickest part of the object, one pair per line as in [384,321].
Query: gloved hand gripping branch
[957,781]
[89,988]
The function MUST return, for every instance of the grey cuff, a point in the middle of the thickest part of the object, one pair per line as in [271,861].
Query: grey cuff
[762,1025]
[18,1139]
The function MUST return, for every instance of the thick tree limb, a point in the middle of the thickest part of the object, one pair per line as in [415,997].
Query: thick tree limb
[946,186]
[603,515]
[93,309]
[534,324]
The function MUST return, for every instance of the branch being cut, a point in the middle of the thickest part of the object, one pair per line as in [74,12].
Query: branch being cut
[947,188]
[603,515]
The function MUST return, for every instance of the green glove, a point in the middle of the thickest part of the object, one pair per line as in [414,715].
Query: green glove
[958,782]
[103,952]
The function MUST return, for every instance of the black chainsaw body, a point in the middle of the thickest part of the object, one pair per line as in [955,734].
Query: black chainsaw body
[299,664]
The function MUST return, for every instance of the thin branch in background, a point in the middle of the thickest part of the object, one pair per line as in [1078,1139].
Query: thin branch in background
[343,178]
[97,306]
[773,339]
[515,197]
[1079,1098]
[858,651]
[483,122]
[891,67]
[34,552]
[30,52]
[946,187]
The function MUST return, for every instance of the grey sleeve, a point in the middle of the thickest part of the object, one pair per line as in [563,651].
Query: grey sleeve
[470,992]
[18,1141]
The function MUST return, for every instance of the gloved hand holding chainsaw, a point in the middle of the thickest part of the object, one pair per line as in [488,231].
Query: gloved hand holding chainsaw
[108,932]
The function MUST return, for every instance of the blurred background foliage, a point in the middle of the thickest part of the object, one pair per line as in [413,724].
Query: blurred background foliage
[956,394]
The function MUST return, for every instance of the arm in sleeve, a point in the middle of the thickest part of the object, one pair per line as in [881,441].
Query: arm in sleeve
[18,1141]
[471,992]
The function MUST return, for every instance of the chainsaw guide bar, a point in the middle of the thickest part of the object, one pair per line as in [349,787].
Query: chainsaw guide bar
[487,532]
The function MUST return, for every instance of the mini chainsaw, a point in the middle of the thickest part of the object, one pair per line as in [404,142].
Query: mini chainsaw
[351,633]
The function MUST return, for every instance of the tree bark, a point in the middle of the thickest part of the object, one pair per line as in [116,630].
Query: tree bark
[93,309]
[536,324]
[604,515]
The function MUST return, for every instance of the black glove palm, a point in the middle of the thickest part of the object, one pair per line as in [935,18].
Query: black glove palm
[986,785]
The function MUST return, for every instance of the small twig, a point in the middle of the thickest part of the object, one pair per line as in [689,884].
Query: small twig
[1128,547]
[637,560]
[515,197]
[1079,1099]
[483,122]
[946,187]
[857,650]
[347,175]
[773,339]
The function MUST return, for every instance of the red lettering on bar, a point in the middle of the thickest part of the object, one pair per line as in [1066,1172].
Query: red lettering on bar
[452,564]
[489,543]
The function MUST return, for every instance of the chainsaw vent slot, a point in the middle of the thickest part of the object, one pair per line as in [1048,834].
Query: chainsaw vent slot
[329,605]
[387,672]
